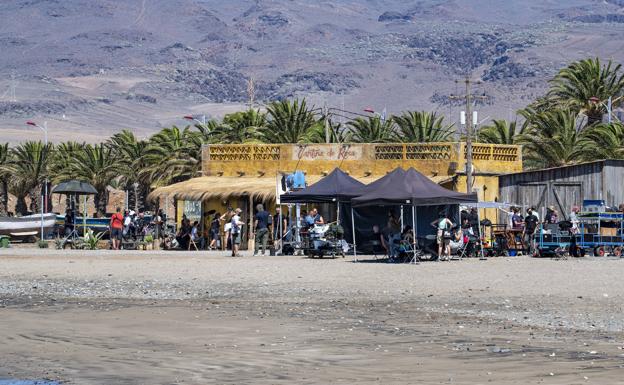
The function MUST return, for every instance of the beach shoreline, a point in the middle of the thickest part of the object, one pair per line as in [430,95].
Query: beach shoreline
[160,318]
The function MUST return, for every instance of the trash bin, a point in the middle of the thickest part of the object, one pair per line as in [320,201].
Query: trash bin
[4,241]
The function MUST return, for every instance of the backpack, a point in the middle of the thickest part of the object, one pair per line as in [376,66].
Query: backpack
[235,229]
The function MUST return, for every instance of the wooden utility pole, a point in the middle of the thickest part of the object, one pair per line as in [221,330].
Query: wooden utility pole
[468,97]
[326,114]
[251,91]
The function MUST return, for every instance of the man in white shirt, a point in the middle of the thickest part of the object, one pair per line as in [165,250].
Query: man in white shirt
[236,232]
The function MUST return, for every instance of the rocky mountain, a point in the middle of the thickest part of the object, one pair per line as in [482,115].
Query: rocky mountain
[91,68]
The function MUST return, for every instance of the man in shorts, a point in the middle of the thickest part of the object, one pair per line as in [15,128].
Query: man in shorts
[261,227]
[116,228]
[236,231]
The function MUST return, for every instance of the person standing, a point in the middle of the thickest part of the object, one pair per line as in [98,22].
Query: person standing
[215,225]
[393,228]
[69,221]
[473,217]
[443,236]
[276,225]
[530,224]
[236,230]
[116,228]
[261,229]
[226,218]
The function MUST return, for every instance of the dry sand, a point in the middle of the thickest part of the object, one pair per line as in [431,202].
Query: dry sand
[198,318]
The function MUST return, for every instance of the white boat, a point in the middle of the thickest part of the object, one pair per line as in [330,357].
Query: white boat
[26,225]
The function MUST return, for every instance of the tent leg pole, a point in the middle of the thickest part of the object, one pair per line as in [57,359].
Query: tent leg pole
[280,231]
[353,232]
[402,224]
[338,212]
[481,232]
[415,259]
[84,216]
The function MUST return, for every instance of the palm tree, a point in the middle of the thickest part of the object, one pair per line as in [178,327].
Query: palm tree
[552,139]
[501,132]
[421,126]
[29,169]
[65,155]
[603,141]
[97,165]
[584,85]
[371,130]
[172,155]
[130,154]
[338,133]
[4,177]
[289,122]
[241,127]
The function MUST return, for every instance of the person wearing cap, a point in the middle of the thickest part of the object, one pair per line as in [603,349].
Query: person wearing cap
[552,217]
[236,230]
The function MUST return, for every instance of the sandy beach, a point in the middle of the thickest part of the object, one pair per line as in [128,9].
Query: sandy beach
[99,317]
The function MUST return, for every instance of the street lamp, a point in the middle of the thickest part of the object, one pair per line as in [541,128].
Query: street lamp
[191,117]
[381,116]
[44,198]
[608,106]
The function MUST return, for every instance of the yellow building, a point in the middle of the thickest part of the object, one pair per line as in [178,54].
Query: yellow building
[242,175]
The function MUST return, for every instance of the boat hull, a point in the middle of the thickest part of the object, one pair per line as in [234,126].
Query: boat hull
[26,224]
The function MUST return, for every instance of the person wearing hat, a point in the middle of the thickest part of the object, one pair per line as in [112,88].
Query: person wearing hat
[236,230]
[551,215]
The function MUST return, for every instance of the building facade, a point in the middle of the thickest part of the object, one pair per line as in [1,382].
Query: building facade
[242,175]
[564,187]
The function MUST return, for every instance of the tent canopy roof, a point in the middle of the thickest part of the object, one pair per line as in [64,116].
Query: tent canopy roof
[338,185]
[74,187]
[402,187]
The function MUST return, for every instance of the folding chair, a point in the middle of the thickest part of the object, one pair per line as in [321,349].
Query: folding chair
[462,251]
[411,251]
[192,243]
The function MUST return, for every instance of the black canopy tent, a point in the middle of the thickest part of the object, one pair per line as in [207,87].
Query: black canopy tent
[336,187]
[409,187]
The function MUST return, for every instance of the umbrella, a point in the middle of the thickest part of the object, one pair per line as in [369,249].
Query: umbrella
[74,187]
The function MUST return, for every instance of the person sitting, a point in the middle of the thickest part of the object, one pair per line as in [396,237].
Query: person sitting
[317,219]
[377,241]
[194,234]
[457,242]
[184,234]
[407,235]
[307,219]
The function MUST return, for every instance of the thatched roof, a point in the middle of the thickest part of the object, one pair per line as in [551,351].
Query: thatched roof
[221,187]
[225,187]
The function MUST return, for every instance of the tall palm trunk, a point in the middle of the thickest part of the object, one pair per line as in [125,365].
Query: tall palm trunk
[20,206]
[35,198]
[101,201]
[4,198]
[49,203]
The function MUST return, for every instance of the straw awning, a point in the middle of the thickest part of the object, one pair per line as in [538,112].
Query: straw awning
[225,187]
